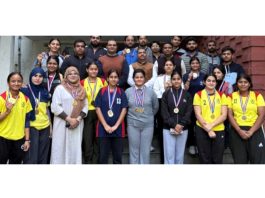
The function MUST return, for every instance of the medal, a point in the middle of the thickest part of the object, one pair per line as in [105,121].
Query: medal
[212,104]
[176,103]
[110,113]
[128,51]
[92,92]
[111,101]
[244,106]
[74,103]
[176,110]
[139,99]
[11,99]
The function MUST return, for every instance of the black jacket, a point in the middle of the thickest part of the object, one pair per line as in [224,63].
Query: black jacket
[80,64]
[171,119]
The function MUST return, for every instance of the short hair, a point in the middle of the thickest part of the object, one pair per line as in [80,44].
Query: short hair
[167,43]
[228,48]
[172,37]
[127,37]
[136,71]
[79,41]
[157,42]
[191,38]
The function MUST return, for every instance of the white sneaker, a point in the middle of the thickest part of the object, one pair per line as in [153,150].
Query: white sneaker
[192,150]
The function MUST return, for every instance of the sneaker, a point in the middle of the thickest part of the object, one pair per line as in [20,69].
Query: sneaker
[152,149]
[192,150]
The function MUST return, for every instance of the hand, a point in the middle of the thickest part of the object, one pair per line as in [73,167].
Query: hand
[212,134]
[208,127]
[114,128]
[9,106]
[73,123]
[249,133]
[26,146]
[39,58]
[178,128]
[190,76]
[243,134]
[167,84]
[108,129]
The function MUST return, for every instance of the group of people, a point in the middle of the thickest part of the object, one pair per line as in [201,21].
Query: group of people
[78,108]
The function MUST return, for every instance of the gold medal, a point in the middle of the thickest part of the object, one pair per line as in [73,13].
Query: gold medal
[212,116]
[110,113]
[12,100]
[74,103]
[176,110]
[128,51]
[244,117]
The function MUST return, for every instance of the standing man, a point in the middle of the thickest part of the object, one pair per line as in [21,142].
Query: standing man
[232,69]
[129,52]
[168,55]
[114,61]
[191,51]
[79,59]
[155,47]
[142,40]
[95,50]
[176,41]
[212,55]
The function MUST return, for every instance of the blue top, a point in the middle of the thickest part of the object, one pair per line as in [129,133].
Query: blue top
[130,57]
[195,84]
[102,102]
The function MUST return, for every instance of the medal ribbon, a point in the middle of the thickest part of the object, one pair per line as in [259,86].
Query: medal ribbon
[36,100]
[244,106]
[49,83]
[212,104]
[174,98]
[139,98]
[94,90]
[111,100]
[221,86]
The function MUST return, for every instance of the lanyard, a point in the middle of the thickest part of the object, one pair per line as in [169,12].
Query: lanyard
[37,100]
[49,83]
[176,102]
[139,99]
[221,86]
[244,106]
[212,104]
[111,100]
[94,90]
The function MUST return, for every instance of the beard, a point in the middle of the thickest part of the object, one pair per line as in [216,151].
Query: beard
[94,45]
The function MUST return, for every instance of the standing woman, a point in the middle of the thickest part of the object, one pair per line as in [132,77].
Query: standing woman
[246,115]
[162,83]
[39,118]
[54,49]
[193,82]
[92,84]
[69,106]
[210,108]
[111,104]
[14,121]
[143,105]
[176,109]
[222,86]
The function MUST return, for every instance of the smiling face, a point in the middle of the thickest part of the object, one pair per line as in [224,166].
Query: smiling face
[243,84]
[210,83]
[52,65]
[72,75]
[139,79]
[113,79]
[15,82]
[169,67]
[54,46]
[111,47]
[176,81]
[92,70]
[219,75]
[195,65]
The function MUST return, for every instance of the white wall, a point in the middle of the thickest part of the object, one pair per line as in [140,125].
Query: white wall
[6,59]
